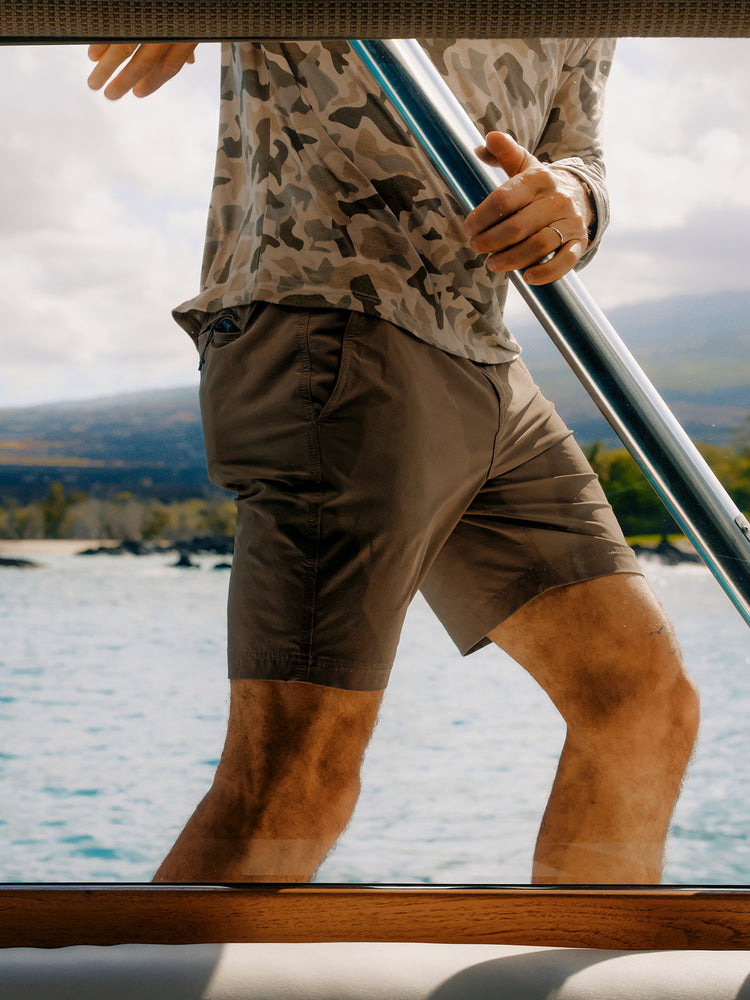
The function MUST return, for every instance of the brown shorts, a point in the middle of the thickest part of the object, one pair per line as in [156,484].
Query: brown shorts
[368,465]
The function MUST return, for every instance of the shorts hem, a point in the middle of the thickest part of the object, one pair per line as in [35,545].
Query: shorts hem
[326,673]
[536,581]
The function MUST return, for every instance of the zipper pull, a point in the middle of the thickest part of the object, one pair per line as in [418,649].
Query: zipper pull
[206,346]
[224,325]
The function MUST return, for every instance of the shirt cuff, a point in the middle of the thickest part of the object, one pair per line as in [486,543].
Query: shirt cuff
[591,177]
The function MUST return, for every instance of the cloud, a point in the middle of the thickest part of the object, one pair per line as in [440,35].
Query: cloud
[704,254]
[677,143]
[70,157]
[101,227]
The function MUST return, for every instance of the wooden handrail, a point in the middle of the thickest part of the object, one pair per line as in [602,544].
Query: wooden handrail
[661,918]
[143,20]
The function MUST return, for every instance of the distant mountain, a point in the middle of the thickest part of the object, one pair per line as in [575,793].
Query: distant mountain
[696,351]
[149,443]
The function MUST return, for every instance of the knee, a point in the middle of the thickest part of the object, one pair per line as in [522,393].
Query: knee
[297,796]
[645,696]
[674,711]
[292,758]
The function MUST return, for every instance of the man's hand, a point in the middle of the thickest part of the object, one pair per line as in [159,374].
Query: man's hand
[538,211]
[149,68]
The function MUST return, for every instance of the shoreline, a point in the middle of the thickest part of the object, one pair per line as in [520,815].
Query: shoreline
[677,549]
[21,547]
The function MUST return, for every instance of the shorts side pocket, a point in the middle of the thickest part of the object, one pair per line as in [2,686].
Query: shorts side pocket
[328,345]
[224,329]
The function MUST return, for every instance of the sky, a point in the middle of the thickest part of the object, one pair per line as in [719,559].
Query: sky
[103,205]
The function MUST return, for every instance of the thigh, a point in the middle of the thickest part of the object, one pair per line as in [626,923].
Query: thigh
[594,645]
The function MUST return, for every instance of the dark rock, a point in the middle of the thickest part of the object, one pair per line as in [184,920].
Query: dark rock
[217,545]
[127,548]
[184,562]
[134,548]
[18,563]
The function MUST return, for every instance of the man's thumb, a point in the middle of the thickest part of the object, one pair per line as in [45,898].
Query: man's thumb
[506,152]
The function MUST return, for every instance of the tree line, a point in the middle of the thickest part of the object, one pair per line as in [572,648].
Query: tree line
[635,502]
[75,515]
[125,518]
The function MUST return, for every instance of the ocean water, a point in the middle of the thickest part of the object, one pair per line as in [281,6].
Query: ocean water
[113,700]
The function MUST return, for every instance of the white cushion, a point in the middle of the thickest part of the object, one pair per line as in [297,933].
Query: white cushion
[371,971]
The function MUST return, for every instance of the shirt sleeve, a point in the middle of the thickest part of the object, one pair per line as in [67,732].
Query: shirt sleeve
[572,137]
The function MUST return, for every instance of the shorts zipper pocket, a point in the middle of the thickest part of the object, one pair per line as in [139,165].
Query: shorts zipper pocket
[225,324]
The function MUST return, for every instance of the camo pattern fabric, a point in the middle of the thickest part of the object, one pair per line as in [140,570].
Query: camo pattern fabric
[322,199]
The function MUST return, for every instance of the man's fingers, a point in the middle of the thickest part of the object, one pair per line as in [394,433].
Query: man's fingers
[502,150]
[96,51]
[145,60]
[536,249]
[511,197]
[535,183]
[109,58]
[163,69]
[498,224]
[147,68]
[557,266]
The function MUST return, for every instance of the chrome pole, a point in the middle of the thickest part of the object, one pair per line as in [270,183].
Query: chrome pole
[587,341]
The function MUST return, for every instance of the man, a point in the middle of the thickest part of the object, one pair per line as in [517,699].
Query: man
[362,396]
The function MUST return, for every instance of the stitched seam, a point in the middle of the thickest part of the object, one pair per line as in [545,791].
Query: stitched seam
[312,531]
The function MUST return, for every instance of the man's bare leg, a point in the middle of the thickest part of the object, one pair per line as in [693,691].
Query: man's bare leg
[284,789]
[606,655]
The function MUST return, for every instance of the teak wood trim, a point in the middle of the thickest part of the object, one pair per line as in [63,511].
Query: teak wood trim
[144,20]
[56,916]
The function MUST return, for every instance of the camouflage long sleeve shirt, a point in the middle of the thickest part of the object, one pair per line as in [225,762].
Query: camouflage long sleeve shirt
[321,197]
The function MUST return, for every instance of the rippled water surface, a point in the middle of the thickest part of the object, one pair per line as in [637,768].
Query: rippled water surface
[113,705]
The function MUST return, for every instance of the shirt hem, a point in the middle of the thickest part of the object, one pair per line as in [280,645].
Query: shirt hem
[192,319]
